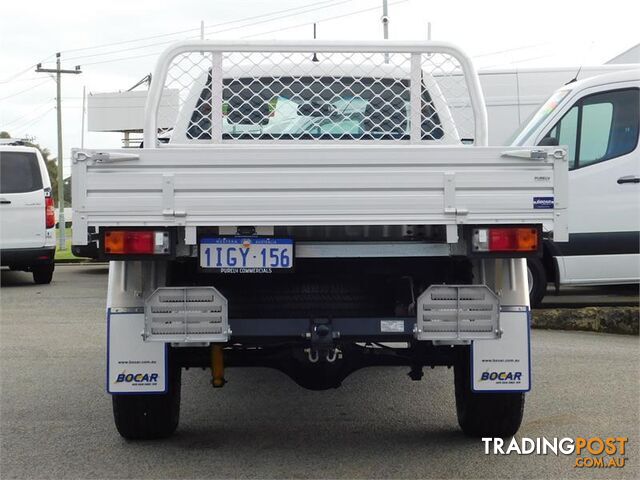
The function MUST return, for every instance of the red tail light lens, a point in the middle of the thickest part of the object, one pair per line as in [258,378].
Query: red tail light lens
[49,212]
[136,242]
[506,239]
[126,242]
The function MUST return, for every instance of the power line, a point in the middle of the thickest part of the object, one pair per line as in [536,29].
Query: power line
[322,20]
[29,114]
[30,79]
[140,47]
[25,90]
[188,30]
[305,8]
[252,35]
[125,42]
[15,75]
[22,72]
[522,60]
[498,52]
[215,32]
[36,120]
[123,58]
[284,16]
[33,121]
[164,35]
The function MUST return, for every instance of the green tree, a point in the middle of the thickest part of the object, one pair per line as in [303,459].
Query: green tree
[52,169]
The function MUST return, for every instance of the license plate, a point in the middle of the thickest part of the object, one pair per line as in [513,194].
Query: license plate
[246,254]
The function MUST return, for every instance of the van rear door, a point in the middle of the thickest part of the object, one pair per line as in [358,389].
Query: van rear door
[22,212]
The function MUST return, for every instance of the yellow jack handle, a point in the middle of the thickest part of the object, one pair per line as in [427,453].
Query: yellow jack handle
[217,366]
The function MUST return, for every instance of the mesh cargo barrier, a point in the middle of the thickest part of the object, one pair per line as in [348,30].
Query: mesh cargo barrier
[304,95]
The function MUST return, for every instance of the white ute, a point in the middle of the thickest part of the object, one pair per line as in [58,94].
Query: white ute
[315,212]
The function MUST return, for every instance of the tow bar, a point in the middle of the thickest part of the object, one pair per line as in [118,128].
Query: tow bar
[322,339]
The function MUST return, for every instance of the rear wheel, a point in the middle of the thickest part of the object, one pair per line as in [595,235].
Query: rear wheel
[146,417]
[42,274]
[485,414]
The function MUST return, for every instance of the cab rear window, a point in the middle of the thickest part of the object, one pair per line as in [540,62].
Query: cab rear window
[19,172]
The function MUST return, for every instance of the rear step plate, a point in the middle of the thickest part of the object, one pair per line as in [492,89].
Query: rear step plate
[458,312]
[186,315]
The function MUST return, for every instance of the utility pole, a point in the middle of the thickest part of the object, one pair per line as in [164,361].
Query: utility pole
[59,71]
[385,26]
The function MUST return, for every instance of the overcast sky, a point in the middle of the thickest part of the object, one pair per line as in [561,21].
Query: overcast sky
[504,33]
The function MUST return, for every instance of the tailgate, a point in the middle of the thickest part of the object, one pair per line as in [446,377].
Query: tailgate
[353,184]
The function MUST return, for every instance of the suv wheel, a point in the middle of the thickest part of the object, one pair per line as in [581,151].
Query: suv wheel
[42,274]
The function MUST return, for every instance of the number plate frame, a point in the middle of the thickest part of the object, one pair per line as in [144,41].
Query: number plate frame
[237,240]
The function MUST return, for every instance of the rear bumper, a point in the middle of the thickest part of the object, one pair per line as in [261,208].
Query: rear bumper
[27,257]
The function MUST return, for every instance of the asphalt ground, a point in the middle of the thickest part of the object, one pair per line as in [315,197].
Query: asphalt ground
[55,417]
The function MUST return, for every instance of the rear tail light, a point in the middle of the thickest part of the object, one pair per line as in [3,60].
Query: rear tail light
[49,211]
[136,242]
[506,239]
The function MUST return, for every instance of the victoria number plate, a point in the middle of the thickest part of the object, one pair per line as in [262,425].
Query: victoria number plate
[246,254]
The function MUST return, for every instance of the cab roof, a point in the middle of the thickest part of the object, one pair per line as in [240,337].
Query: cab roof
[607,78]
[17,148]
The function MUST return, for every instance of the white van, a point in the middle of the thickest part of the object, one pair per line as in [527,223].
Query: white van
[27,215]
[598,119]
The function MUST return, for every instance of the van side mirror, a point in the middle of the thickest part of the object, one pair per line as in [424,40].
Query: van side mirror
[549,142]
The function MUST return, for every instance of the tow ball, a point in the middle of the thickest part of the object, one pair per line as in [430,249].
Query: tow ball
[322,337]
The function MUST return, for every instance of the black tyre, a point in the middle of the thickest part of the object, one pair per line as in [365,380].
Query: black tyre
[485,414]
[537,281]
[42,274]
[147,417]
